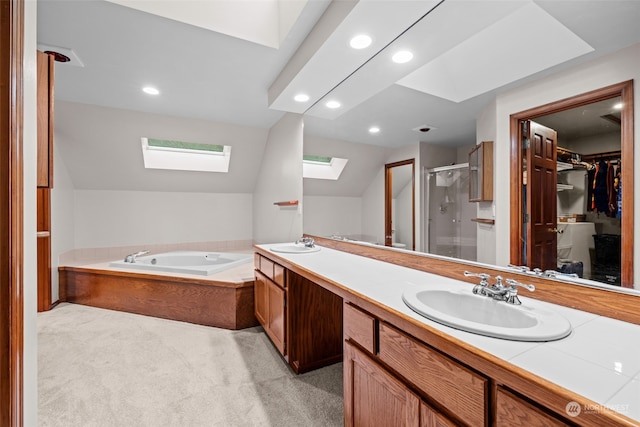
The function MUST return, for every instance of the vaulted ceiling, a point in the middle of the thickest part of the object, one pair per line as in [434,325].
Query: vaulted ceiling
[242,62]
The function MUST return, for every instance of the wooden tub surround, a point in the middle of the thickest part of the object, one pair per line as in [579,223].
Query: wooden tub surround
[402,371]
[213,301]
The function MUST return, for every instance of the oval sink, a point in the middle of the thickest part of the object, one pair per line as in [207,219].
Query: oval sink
[294,248]
[461,309]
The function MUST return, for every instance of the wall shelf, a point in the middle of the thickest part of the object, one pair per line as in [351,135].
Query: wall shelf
[484,220]
[287,203]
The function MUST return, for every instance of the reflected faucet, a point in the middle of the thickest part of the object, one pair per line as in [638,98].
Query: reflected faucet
[307,241]
[132,257]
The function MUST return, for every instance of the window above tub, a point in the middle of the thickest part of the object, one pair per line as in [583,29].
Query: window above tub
[322,167]
[181,155]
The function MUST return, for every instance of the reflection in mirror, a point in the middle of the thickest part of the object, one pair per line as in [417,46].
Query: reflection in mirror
[404,113]
[450,229]
[399,196]
[572,180]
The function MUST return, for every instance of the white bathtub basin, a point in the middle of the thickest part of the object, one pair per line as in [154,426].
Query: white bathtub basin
[189,262]
[293,248]
[461,309]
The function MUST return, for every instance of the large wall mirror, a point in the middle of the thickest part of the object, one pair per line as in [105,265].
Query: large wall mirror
[439,133]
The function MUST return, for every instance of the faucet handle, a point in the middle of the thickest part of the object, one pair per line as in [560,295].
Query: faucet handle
[484,277]
[514,283]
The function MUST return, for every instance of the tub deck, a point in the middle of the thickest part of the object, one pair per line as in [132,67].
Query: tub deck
[223,300]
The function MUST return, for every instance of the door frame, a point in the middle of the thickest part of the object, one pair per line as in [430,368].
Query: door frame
[388,201]
[625,91]
[11,214]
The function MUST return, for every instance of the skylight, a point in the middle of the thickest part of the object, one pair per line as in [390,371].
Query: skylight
[181,155]
[322,167]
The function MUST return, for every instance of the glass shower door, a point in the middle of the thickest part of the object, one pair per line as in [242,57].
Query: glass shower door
[450,230]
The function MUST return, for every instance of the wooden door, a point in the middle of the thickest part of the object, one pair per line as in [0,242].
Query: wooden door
[45,67]
[260,298]
[43,216]
[276,315]
[373,397]
[541,198]
[513,411]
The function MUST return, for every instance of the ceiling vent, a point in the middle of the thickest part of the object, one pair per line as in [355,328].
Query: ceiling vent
[65,52]
[424,128]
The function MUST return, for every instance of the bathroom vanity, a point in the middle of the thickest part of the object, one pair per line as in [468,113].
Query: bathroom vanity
[302,319]
[402,368]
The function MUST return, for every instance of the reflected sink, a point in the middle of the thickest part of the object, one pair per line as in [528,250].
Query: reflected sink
[461,309]
[293,248]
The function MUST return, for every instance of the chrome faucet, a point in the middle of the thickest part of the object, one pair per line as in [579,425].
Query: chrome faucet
[554,274]
[512,291]
[307,241]
[132,257]
[498,291]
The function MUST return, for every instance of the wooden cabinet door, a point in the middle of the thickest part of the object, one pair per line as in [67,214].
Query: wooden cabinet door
[276,315]
[45,120]
[373,397]
[429,417]
[260,298]
[513,411]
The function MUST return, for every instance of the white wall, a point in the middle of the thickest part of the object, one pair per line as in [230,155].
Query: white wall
[486,131]
[62,217]
[125,218]
[615,68]
[30,287]
[373,209]
[280,179]
[373,197]
[102,150]
[403,216]
[327,215]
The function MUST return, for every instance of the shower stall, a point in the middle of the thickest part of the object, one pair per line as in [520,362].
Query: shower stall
[450,230]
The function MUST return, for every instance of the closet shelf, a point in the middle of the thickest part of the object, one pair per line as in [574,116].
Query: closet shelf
[562,166]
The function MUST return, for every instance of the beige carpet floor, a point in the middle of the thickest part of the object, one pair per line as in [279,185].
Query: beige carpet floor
[106,368]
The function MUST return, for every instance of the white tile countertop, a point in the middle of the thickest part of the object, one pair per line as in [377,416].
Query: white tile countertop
[598,360]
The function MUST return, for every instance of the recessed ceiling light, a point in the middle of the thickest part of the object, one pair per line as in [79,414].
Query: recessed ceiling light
[150,90]
[333,104]
[360,41]
[618,106]
[402,56]
[374,129]
[301,97]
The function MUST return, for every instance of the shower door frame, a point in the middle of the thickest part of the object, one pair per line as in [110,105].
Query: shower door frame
[426,233]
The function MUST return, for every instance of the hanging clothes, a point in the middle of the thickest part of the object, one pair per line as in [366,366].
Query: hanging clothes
[619,193]
[612,200]
[591,175]
[600,194]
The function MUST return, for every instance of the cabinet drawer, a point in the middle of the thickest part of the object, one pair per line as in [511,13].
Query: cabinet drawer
[513,411]
[360,327]
[461,391]
[273,271]
[266,267]
[278,275]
